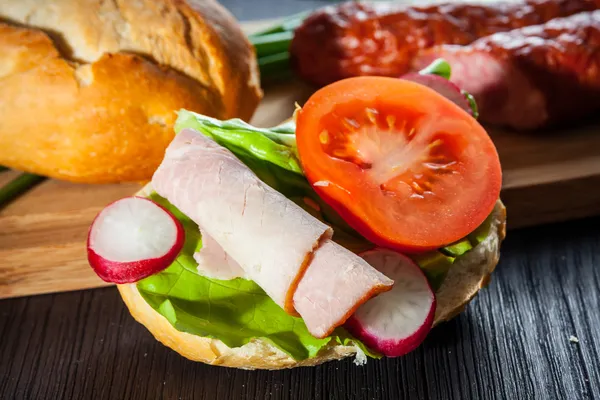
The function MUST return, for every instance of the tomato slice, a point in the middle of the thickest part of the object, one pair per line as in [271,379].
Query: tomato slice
[403,165]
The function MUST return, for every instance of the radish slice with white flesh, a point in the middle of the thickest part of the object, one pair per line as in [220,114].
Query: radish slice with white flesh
[443,86]
[395,322]
[132,239]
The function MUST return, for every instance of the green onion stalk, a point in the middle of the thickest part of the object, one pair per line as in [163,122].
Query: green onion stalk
[18,186]
[272,48]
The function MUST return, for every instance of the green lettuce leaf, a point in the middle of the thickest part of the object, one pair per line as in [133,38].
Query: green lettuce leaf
[458,248]
[193,238]
[276,145]
[234,311]
[482,232]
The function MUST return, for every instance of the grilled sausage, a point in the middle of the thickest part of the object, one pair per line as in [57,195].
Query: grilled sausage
[530,77]
[381,39]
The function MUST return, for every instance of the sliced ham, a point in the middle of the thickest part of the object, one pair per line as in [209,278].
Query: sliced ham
[267,234]
[214,262]
[281,247]
[335,284]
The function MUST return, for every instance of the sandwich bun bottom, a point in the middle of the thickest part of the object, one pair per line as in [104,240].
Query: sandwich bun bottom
[464,280]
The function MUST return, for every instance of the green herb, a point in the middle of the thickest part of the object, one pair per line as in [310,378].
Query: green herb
[18,186]
[438,67]
[287,25]
[275,67]
[472,103]
[272,49]
[272,43]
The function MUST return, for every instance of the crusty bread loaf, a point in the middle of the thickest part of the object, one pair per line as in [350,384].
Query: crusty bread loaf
[465,278]
[89,88]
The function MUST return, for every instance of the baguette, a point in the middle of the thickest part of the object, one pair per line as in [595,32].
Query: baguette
[89,89]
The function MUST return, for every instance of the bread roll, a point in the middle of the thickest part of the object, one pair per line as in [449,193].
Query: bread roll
[89,89]
[466,277]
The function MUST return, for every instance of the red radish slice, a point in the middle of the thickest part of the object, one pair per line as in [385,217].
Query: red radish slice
[443,86]
[395,322]
[132,239]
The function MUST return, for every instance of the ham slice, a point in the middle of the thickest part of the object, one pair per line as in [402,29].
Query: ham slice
[335,284]
[214,262]
[268,235]
[281,247]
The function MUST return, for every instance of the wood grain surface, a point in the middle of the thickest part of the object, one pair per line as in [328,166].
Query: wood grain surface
[43,234]
[511,343]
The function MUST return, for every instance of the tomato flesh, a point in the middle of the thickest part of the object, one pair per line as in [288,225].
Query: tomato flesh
[404,166]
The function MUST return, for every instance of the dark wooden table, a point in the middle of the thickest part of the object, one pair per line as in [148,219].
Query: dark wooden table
[513,342]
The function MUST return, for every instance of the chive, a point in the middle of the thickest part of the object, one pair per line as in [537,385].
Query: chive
[287,25]
[18,186]
[274,64]
[268,31]
[272,43]
[472,103]
[437,67]
[272,46]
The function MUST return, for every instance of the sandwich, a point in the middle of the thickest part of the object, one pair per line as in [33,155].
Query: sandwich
[350,230]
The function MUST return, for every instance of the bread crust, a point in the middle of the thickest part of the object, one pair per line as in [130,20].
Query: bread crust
[89,89]
[463,282]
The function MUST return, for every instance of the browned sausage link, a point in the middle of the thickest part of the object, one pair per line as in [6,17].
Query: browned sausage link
[354,39]
[530,77]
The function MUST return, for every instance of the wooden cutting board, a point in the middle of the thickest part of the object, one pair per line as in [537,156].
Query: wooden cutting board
[548,177]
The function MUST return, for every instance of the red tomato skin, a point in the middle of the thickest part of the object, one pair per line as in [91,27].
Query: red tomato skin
[343,203]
